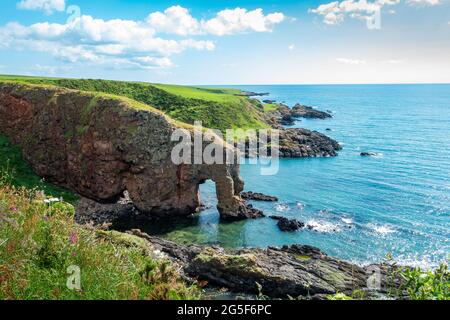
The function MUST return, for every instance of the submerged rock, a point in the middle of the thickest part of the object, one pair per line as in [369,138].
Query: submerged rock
[370,154]
[258,197]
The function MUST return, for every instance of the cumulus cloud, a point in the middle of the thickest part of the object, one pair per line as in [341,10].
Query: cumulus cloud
[334,13]
[178,20]
[129,43]
[47,6]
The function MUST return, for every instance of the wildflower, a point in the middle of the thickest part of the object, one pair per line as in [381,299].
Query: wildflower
[13,208]
[73,238]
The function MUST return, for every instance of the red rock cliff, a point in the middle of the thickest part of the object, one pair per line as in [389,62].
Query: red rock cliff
[100,146]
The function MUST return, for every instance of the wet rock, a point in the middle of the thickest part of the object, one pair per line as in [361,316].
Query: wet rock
[287,120]
[301,111]
[370,154]
[296,271]
[258,197]
[245,211]
[288,225]
[302,143]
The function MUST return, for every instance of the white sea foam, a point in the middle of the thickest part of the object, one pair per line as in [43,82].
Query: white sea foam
[323,226]
[382,229]
[300,206]
[282,207]
[347,220]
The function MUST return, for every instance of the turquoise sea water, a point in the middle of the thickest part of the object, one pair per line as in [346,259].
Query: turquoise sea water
[361,208]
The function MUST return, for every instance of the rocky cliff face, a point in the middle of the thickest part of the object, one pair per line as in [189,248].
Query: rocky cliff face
[101,146]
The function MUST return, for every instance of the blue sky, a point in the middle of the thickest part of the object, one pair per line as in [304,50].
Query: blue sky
[229,42]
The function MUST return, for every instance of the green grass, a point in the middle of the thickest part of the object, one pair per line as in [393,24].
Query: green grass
[39,243]
[216,108]
[268,107]
[15,171]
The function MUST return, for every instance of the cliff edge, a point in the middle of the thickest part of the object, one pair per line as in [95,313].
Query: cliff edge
[101,146]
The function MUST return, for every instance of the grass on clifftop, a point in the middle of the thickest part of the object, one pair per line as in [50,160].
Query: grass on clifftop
[216,108]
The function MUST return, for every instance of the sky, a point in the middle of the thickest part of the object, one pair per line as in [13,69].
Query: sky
[218,42]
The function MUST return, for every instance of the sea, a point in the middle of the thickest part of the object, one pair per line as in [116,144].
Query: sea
[395,205]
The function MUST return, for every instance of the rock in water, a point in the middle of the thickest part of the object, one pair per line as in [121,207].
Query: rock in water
[300,111]
[258,197]
[302,143]
[287,120]
[370,154]
[288,225]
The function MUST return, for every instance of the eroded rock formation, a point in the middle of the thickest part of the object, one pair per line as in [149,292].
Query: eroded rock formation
[100,147]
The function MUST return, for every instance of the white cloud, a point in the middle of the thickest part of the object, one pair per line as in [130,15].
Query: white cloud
[130,43]
[351,61]
[291,47]
[47,6]
[425,2]
[178,20]
[334,13]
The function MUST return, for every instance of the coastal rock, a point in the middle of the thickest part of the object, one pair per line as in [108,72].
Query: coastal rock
[252,94]
[296,271]
[301,111]
[302,143]
[288,225]
[258,197]
[100,147]
[287,120]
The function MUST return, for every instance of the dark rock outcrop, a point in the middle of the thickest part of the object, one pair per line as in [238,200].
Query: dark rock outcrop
[287,120]
[300,111]
[256,196]
[252,94]
[282,272]
[300,143]
[288,225]
[101,147]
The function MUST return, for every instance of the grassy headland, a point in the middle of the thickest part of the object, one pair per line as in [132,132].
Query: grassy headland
[217,108]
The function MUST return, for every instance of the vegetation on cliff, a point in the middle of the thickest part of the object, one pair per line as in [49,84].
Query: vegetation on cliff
[217,108]
[39,242]
[16,172]
[41,248]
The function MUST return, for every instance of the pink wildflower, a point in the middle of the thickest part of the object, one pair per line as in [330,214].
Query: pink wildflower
[73,238]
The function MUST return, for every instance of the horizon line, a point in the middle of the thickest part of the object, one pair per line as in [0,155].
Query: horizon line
[236,84]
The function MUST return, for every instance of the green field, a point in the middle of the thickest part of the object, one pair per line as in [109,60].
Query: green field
[217,108]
